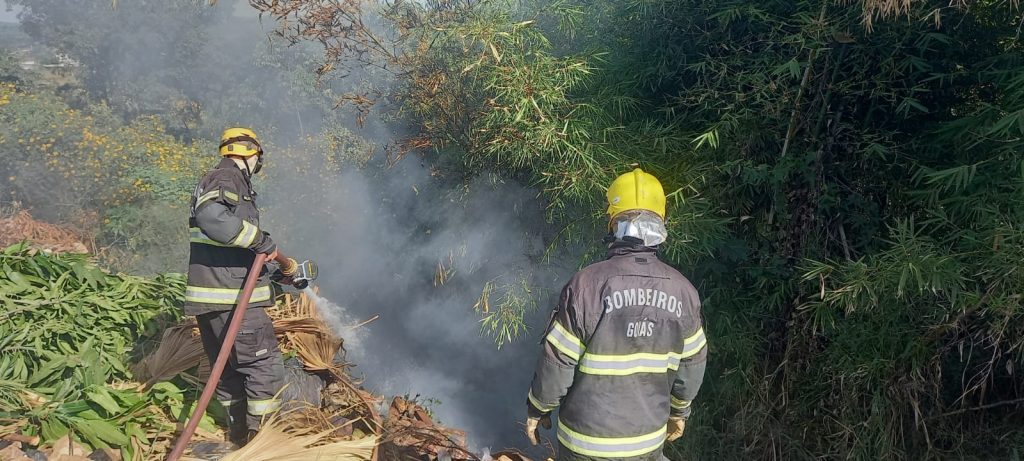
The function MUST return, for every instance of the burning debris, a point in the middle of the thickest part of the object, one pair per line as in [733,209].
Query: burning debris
[347,423]
[413,435]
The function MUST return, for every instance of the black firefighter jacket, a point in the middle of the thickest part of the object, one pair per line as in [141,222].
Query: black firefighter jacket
[225,237]
[625,350]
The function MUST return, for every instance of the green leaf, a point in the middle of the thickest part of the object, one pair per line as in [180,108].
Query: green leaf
[128,398]
[99,430]
[19,281]
[1004,125]
[52,429]
[207,423]
[908,103]
[101,397]
[89,414]
[47,370]
[133,429]
[75,407]
[791,67]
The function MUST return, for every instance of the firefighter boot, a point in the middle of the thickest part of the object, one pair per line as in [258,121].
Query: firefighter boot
[237,426]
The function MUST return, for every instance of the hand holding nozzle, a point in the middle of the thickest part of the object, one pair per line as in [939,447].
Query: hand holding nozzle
[289,266]
[293,272]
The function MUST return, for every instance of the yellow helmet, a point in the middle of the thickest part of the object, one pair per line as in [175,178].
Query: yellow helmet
[240,142]
[636,190]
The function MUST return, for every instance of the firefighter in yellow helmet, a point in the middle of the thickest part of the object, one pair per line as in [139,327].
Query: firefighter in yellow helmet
[225,237]
[625,352]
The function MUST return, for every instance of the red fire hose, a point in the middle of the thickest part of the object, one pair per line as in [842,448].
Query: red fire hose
[222,358]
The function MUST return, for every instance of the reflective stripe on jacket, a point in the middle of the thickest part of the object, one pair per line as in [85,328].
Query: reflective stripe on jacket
[625,350]
[224,239]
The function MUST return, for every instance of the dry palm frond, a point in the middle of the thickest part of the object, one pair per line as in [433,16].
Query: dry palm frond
[202,373]
[180,349]
[886,8]
[11,426]
[295,307]
[33,400]
[10,429]
[299,325]
[313,341]
[309,420]
[281,440]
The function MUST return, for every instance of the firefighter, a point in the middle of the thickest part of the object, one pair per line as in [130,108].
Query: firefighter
[225,238]
[625,352]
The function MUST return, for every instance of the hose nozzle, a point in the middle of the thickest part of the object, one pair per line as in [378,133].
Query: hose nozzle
[305,272]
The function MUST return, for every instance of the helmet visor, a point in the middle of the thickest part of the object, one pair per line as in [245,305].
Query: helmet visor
[249,145]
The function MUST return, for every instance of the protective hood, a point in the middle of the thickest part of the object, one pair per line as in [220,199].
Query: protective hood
[643,225]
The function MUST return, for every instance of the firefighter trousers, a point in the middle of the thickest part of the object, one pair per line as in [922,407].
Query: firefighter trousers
[254,373]
[565,454]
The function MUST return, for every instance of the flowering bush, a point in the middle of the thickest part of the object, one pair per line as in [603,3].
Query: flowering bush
[61,162]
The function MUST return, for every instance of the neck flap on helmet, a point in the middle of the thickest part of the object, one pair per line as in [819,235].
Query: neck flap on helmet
[640,226]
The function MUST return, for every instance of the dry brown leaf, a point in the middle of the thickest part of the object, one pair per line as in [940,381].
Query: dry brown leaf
[179,350]
[279,440]
[20,226]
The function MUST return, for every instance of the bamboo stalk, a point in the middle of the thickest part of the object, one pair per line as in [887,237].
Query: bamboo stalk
[791,130]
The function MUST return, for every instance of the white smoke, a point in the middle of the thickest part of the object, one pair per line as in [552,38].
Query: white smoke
[378,236]
[344,324]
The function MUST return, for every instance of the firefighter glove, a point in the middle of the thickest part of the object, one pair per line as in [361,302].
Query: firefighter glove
[532,427]
[264,244]
[676,426]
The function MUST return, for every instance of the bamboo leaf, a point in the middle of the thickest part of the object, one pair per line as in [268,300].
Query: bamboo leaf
[102,397]
[52,429]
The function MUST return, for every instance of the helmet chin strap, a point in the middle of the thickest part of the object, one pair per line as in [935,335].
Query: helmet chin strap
[249,172]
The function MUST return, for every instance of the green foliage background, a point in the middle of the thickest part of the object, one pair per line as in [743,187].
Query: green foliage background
[847,199]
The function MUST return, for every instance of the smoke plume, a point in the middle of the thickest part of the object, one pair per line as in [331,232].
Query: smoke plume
[380,237]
